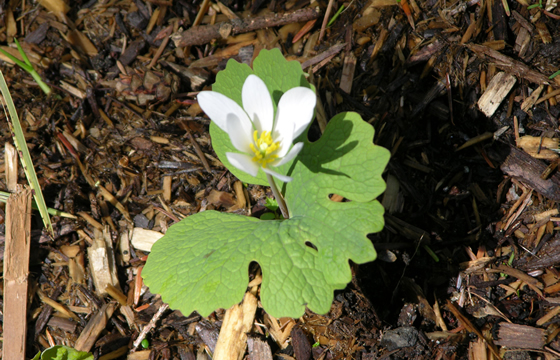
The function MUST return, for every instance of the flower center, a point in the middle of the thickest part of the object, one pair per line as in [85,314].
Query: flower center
[264,147]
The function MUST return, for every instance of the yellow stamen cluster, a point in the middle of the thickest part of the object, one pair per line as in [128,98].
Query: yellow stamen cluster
[264,148]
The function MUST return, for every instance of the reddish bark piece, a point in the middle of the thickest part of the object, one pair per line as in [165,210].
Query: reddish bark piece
[520,336]
[526,168]
[302,348]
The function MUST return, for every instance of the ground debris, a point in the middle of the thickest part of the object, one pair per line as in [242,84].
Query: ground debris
[126,150]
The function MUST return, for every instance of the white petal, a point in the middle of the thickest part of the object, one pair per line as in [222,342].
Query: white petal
[290,155]
[295,111]
[285,139]
[240,133]
[219,107]
[244,163]
[283,178]
[258,103]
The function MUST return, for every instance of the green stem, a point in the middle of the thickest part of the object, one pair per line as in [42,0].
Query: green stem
[278,196]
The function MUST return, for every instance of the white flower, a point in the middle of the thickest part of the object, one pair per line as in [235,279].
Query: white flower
[265,140]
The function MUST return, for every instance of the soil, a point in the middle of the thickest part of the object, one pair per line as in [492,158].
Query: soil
[462,94]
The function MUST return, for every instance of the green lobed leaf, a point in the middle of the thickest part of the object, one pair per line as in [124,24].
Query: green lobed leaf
[202,262]
[60,352]
[278,74]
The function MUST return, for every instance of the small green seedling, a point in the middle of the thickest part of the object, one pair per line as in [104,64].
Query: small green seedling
[271,204]
[539,5]
[61,352]
[27,66]
[511,258]
[145,344]
[260,118]
[431,252]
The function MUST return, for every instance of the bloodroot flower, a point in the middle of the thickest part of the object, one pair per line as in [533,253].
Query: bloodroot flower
[265,140]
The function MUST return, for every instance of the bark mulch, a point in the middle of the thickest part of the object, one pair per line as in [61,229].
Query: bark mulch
[461,93]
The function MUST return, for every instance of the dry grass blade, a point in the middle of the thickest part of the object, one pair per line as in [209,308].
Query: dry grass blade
[21,145]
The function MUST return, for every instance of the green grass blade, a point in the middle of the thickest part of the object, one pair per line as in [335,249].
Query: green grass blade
[27,66]
[335,16]
[23,54]
[54,212]
[18,62]
[46,89]
[27,163]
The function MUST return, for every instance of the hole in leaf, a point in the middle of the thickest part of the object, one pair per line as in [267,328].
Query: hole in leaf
[337,198]
[311,245]
[255,273]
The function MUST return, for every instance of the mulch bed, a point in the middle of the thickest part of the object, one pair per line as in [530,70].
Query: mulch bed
[458,92]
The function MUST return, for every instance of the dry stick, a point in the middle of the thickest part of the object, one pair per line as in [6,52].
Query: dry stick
[16,271]
[200,35]
[333,50]
[510,65]
[201,12]
[198,150]
[159,52]
[325,20]
[96,324]
[150,326]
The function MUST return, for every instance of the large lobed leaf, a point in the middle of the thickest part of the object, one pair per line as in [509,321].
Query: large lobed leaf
[202,262]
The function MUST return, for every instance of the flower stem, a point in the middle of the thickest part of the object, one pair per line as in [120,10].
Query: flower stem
[278,196]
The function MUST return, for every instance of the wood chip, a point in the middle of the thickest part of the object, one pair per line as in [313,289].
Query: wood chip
[497,90]
[348,70]
[531,100]
[144,239]
[527,169]
[258,349]
[238,321]
[16,272]
[102,261]
[510,65]
[97,323]
[302,348]
[520,336]
[539,147]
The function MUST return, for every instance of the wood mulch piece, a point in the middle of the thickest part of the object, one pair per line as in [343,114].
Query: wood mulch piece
[460,93]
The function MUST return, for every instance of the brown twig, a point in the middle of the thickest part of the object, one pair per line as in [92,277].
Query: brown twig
[325,20]
[161,47]
[333,50]
[150,325]
[198,150]
[201,12]
[510,65]
[200,35]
